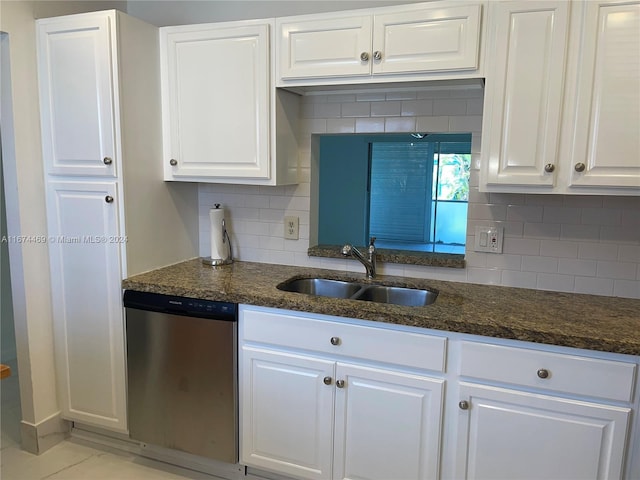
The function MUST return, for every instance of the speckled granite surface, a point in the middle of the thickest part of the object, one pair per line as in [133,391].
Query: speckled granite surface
[607,324]
[386,255]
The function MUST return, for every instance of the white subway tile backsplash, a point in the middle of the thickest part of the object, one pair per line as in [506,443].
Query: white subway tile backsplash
[597,251]
[619,270]
[541,230]
[580,232]
[524,213]
[558,248]
[574,243]
[400,124]
[452,106]
[386,109]
[574,266]
[539,264]
[356,109]
[601,216]
[555,282]
[417,108]
[566,215]
[521,246]
[469,123]
[516,278]
[370,125]
[432,124]
[626,288]
[594,286]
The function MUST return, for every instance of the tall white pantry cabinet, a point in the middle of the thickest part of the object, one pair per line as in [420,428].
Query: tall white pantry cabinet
[109,213]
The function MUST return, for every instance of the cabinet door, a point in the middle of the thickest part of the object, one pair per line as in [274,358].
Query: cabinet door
[324,47]
[606,144]
[215,89]
[76,95]
[505,434]
[387,424]
[286,413]
[523,93]
[87,307]
[427,40]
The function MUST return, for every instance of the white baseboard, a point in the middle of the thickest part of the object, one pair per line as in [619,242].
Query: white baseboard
[39,438]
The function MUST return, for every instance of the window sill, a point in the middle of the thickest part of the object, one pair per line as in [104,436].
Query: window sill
[408,257]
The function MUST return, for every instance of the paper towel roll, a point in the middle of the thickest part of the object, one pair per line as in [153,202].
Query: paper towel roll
[219,244]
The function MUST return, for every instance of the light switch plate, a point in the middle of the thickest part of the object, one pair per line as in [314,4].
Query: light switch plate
[488,239]
[291,225]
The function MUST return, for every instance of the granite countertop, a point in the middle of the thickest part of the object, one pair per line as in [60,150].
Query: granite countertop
[608,324]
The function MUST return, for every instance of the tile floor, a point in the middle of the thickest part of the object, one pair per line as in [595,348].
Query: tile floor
[71,459]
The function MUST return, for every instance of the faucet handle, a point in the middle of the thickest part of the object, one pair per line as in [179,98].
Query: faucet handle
[372,240]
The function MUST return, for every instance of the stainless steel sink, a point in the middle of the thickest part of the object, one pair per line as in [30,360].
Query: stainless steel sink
[413,297]
[321,286]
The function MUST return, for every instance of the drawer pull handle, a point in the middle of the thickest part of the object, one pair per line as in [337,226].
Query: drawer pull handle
[340,383]
[327,380]
[377,55]
[107,160]
[579,167]
[364,56]
[549,167]
[543,373]
[335,340]
[173,162]
[463,404]
[108,199]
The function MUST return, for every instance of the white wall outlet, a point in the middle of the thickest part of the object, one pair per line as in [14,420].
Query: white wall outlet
[291,228]
[489,239]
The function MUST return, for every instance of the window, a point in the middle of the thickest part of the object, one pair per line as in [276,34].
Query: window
[410,193]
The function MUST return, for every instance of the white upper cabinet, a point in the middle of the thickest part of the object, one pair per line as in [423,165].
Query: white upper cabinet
[523,92]
[421,39]
[76,96]
[218,104]
[605,151]
[562,98]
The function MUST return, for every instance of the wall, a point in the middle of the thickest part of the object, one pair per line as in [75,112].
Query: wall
[24,191]
[583,244]
[184,12]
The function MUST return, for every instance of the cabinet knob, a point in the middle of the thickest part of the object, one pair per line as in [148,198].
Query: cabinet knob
[107,160]
[364,56]
[549,167]
[327,380]
[108,199]
[173,162]
[579,167]
[377,55]
[543,373]
[340,383]
[335,340]
[463,404]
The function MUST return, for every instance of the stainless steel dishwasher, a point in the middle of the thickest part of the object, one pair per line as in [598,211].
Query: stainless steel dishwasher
[182,364]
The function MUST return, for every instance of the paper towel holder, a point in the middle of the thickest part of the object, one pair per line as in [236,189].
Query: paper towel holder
[216,262]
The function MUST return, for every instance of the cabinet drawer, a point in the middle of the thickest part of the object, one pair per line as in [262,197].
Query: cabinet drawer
[335,338]
[550,371]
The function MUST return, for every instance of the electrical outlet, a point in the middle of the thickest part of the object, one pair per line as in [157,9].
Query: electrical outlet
[291,228]
[489,239]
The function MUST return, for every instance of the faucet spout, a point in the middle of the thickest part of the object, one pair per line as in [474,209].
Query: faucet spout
[369,261]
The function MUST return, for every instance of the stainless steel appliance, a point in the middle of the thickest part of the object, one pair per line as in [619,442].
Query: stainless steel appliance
[182,364]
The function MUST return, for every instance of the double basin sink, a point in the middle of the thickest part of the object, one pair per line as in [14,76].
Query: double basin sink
[412,297]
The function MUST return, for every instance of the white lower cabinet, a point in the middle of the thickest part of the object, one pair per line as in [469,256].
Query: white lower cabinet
[509,434]
[328,416]
[89,325]
[329,398]
[530,414]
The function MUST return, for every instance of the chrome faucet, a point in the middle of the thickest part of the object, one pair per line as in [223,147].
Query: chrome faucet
[370,262]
